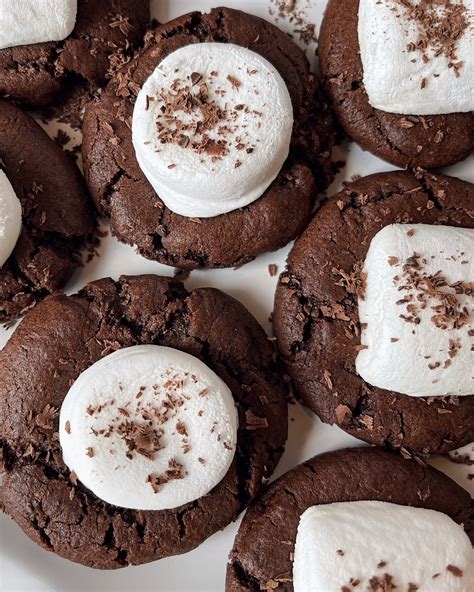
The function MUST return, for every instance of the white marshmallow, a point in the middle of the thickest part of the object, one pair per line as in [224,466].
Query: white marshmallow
[412,355]
[10,218]
[24,22]
[170,405]
[340,543]
[393,80]
[189,180]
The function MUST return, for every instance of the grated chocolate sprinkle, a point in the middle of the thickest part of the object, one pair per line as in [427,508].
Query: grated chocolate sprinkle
[190,118]
[174,472]
[441,24]
[456,571]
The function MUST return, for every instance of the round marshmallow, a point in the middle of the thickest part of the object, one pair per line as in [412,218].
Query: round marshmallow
[399,78]
[381,546]
[148,428]
[24,22]
[10,218]
[417,310]
[212,127]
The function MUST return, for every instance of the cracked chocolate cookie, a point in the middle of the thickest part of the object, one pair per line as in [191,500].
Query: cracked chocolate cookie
[54,49]
[371,333]
[45,215]
[389,71]
[86,414]
[326,524]
[210,90]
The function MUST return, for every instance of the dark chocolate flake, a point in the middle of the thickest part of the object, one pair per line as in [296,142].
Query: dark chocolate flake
[456,571]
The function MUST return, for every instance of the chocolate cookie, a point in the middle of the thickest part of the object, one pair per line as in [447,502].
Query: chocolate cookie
[56,215]
[316,312]
[428,142]
[105,34]
[262,555]
[61,338]
[139,217]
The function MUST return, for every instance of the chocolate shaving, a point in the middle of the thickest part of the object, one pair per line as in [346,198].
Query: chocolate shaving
[456,571]
[422,290]
[190,118]
[255,423]
[174,472]
[381,584]
[441,24]
[273,269]
[140,439]
[45,419]
[354,282]
[343,412]
[328,379]
[234,81]
[295,14]
[181,428]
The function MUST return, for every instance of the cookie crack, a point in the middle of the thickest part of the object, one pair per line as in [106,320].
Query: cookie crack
[44,537]
[247,580]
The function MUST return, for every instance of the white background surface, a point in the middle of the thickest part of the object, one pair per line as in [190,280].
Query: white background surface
[24,566]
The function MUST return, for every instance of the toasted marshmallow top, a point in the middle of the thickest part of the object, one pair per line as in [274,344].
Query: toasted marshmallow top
[149,428]
[211,128]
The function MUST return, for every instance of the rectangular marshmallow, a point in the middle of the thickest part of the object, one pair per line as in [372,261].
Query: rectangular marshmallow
[417,311]
[374,545]
[24,22]
[401,81]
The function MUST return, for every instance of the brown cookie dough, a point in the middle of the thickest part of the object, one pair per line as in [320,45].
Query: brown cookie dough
[261,557]
[62,337]
[57,216]
[105,35]
[428,142]
[316,312]
[139,217]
